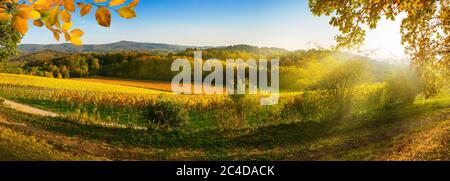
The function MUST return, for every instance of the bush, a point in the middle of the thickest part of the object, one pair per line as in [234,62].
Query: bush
[308,106]
[401,89]
[233,113]
[166,114]
[432,80]
[340,83]
[375,98]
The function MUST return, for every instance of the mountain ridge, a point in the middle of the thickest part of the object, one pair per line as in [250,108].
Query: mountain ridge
[124,46]
[108,47]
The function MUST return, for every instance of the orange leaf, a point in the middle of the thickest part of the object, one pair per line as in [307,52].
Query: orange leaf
[54,15]
[66,26]
[85,9]
[67,36]
[126,12]
[20,24]
[38,23]
[69,5]
[133,3]
[116,2]
[77,33]
[103,16]
[65,16]
[43,4]
[56,35]
[34,14]
[75,40]
[5,16]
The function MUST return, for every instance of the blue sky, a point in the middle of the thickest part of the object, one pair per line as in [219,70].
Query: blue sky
[272,23]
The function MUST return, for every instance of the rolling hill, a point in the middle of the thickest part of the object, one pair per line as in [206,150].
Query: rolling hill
[138,46]
[111,47]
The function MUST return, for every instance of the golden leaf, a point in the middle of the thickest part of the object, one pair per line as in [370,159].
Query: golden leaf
[65,16]
[76,32]
[54,15]
[67,36]
[24,11]
[85,9]
[58,24]
[103,16]
[69,5]
[35,14]
[5,16]
[43,4]
[20,24]
[38,23]
[126,12]
[80,5]
[116,2]
[56,35]
[66,26]
[75,40]
[133,3]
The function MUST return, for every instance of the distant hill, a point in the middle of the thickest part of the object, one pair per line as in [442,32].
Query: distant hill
[137,46]
[111,47]
[252,49]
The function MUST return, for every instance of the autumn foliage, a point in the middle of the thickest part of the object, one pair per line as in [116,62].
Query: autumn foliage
[56,15]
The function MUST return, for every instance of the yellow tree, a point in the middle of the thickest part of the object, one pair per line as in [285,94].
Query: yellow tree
[425,31]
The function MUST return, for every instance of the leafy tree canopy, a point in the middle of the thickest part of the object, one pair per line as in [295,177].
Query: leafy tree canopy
[56,16]
[425,30]
[9,39]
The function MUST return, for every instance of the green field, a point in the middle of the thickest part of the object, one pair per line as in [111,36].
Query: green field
[101,121]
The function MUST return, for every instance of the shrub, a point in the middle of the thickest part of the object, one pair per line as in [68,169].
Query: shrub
[401,89]
[229,118]
[166,114]
[375,98]
[307,106]
[231,114]
[340,83]
[432,80]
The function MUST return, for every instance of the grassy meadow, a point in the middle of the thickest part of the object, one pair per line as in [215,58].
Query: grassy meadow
[118,106]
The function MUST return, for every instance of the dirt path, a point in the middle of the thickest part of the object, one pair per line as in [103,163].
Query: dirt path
[28,109]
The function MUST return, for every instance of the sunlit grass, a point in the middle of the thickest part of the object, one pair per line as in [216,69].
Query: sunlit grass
[156,85]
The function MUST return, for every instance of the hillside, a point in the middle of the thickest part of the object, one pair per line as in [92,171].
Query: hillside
[111,47]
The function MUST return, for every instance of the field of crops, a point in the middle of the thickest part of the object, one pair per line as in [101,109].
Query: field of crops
[138,107]
[42,82]
[302,126]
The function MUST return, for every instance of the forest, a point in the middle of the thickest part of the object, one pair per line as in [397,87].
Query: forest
[295,66]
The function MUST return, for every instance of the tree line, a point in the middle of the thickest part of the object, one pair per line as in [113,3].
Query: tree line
[297,68]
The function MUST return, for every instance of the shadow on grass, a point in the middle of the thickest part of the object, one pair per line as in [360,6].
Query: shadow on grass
[206,139]
[266,138]
[363,133]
